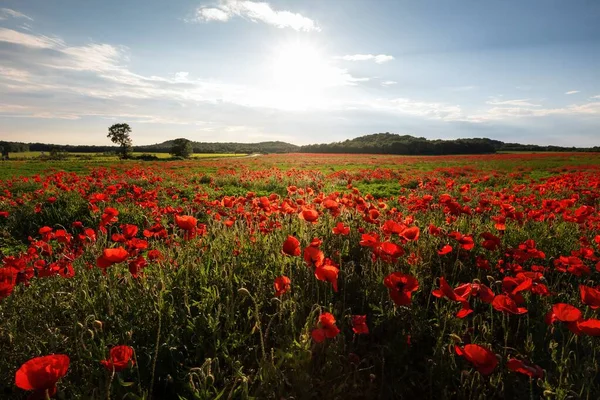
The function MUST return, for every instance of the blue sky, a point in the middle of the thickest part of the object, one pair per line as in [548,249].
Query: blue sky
[300,71]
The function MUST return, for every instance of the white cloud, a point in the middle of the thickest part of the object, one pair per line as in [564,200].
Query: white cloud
[388,83]
[28,40]
[596,96]
[181,76]
[572,92]
[6,13]
[503,113]
[518,103]
[429,110]
[255,12]
[212,14]
[379,58]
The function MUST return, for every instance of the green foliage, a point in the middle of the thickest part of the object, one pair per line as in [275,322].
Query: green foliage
[182,148]
[120,134]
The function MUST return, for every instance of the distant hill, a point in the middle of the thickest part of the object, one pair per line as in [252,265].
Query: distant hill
[230,147]
[389,143]
[378,143]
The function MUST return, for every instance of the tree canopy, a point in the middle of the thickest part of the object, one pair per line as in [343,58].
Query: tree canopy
[120,134]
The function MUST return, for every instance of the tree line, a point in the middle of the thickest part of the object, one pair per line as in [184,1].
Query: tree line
[378,143]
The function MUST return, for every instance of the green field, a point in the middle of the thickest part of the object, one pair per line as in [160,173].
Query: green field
[38,154]
[303,276]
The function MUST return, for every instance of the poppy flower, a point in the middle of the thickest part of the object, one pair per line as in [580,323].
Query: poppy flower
[532,371]
[291,246]
[309,215]
[129,231]
[400,287]
[8,280]
[482,359]
[369,240]
[445,250]
[112,256]
[590,327]
[120,358]
[565,313]
[313,256]
[506,304]
[327,328]
[446,291]
[282,284]
[389,251]
[41,374]
[328,273]
[186,222]
[590,296]
[411,233]
[341,229]
[359,324]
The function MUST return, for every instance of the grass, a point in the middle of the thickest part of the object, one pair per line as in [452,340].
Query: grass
[74,155]
[204,319]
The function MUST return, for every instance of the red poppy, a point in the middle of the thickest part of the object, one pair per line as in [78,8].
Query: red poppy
[341,229]
[291,246]
[482,359]
[328,273]
[369,240]
[532,371]
[121,357]
[506,304]
[41,374]
[282,284]
[186,222]
[8,280]
[129,231]
[327,328]
[389,251]
[359,324]
[112,256]
[309,215]
[411,233]
[446,291]
[589,327]
[590,296]
[564,313]
[313,256]
[445,250]
[400,287]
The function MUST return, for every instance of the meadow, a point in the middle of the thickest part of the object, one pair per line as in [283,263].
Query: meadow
[301,276]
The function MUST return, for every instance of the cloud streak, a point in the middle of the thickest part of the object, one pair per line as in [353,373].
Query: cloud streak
[6,13]
[572,92]
[379,58]
[255,12]
[517,103]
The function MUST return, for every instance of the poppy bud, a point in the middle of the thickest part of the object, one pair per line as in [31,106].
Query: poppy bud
[160,286]
[98,325]
[455,338]
[244,291]
[490,279]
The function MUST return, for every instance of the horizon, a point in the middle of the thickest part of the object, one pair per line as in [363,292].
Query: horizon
[305,72]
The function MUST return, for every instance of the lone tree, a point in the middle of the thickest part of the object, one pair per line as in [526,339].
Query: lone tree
[182,148]
[119,133]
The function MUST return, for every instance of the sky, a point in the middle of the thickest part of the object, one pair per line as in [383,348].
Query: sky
[313,71]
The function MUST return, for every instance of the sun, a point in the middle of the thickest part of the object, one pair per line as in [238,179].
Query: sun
[298,65]
[300,74]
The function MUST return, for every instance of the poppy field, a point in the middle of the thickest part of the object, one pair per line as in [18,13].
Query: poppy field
[302,277]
